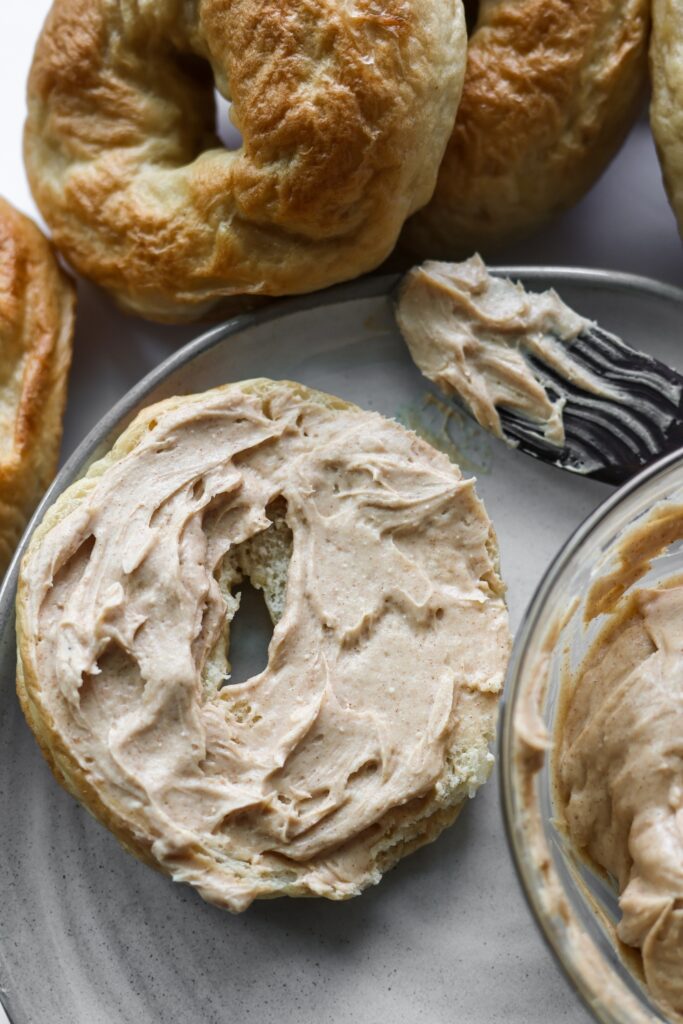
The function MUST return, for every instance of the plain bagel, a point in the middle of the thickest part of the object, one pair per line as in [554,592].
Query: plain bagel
[370,725]
[37,310]
[666,110]
[551,88]
[344,111]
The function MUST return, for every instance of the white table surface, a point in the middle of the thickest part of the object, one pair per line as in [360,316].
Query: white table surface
[625,223]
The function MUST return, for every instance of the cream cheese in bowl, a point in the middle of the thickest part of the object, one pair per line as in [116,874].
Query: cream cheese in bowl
[592,756]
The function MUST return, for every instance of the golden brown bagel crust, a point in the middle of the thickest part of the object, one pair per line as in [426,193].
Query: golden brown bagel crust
[345,111]
[550,91]
[666,110]
[37,307]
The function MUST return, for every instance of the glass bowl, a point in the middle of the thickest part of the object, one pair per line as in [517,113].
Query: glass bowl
[575,909]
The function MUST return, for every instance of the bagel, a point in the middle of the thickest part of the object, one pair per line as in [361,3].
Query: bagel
[371,723]
[666,108]
[37,309]
[551,89]
[344,111]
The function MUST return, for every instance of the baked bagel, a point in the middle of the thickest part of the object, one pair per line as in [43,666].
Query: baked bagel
[666,109]
[371,723]
[551,88]
[37,308]
[344,111]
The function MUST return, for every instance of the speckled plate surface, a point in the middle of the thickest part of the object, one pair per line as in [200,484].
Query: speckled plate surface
[89,936]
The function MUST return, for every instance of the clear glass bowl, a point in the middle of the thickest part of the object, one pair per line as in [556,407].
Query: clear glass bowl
[574,908]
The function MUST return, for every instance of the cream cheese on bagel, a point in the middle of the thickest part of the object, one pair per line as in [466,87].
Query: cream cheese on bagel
[372,721]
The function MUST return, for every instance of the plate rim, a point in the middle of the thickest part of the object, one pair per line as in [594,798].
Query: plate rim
[364,288]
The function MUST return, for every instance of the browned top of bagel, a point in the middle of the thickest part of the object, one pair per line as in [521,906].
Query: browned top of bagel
[666,111]
[550,90]
[344,109]
[37,305]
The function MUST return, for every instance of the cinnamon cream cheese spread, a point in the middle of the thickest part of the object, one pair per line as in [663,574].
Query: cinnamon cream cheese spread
[472,335]
[370,724]
[619,764]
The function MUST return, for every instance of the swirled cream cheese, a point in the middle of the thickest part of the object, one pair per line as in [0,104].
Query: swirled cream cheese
[619,764]
[371,722]
[472,335]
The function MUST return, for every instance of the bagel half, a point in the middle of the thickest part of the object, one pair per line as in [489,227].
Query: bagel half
[371,723]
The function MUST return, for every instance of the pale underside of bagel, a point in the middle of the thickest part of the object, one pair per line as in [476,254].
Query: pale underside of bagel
[344,110]
[666,110]
[264,559]
[37,309]
[551,89]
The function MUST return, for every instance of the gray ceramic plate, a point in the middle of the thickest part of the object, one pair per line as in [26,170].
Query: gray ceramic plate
[89,936]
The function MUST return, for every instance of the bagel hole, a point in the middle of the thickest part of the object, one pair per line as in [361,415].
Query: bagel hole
[250,634]
[225,129]
[471,15]
[253,580]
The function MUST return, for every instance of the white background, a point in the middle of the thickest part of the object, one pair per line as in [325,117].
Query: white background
[625,223]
